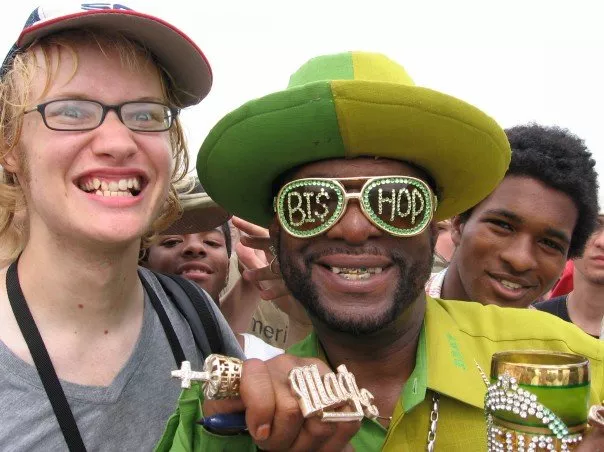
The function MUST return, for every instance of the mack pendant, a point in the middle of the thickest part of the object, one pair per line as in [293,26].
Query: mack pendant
[335,397]
[220,377]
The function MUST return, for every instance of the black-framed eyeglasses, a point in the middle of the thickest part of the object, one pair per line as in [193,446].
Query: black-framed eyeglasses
[81,115]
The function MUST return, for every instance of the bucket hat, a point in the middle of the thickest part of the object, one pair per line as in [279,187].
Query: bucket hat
[344,106]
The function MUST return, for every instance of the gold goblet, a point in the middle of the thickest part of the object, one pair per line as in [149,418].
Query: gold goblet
[537,400]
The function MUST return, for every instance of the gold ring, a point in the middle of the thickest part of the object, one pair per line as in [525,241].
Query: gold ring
[596,416]
[270,266]
[326,395]
[224,377]
[220,378]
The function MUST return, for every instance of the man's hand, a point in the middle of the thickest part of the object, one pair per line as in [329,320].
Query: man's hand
[273,416]
[593,441]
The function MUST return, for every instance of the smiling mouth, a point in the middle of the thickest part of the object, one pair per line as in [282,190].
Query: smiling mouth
[128,187]
[355,273]
[195,272]
[510,284]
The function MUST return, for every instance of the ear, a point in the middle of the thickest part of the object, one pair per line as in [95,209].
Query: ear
[457,227]
[10,162]
[9,158]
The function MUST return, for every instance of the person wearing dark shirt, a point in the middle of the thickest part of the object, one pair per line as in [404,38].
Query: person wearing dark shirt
[584,305]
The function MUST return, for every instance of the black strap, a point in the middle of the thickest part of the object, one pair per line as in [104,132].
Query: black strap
[43,363]
[201,302]
[46,370]
[179,354]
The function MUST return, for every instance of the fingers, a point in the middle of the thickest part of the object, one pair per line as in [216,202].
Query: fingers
[340,440]
[287,420]
[276,292]
[287,423]
[248,257]
[211,407]
[249,228]
[257,243]
[273,414]
[313,435]
[326,436]
[258,396]
[262,274]
[593,441]
[255,254]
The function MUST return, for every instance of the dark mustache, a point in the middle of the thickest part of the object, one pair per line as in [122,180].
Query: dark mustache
[394,255]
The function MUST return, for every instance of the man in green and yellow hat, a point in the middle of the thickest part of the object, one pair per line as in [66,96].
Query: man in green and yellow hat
[351,167]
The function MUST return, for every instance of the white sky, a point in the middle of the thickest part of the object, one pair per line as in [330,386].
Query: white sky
[518,60]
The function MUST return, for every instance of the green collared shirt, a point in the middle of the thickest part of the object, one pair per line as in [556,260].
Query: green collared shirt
[455,339]
[372,434]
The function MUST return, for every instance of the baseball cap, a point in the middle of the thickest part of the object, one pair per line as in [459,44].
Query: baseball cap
[173,50]
[200,212]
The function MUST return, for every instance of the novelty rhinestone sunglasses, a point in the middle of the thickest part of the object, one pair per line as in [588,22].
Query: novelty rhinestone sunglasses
[400,205]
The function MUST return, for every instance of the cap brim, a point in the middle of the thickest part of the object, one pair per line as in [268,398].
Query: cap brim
[200,214]
[464,150]
[178,54]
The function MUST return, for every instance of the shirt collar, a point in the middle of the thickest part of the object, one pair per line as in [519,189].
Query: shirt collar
[434,286]
[444,363]
[452,365]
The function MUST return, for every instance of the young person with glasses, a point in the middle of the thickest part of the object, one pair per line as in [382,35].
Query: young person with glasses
[91,145]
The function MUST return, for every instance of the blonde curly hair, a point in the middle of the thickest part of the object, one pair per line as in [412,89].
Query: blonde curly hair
[15,98]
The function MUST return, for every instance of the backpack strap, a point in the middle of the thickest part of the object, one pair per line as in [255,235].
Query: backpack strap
[194,304]
[177,351]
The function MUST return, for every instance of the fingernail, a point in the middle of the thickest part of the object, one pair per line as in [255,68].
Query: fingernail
[263,432]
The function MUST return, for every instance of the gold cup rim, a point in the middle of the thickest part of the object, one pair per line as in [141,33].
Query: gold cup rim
[539,358]
[518,362]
